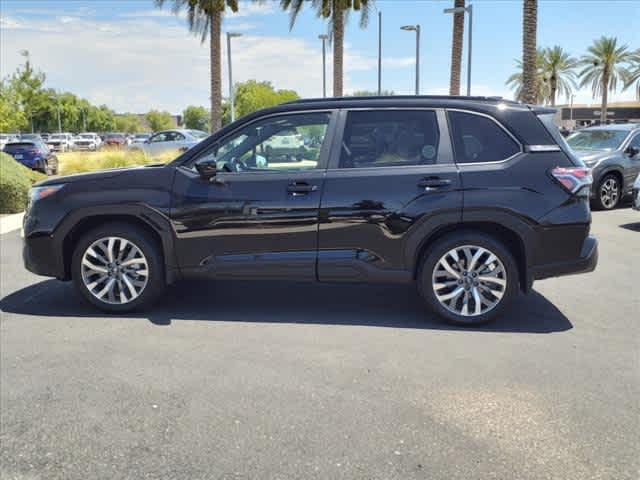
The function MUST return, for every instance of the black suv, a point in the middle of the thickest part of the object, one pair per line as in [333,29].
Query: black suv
[470,198]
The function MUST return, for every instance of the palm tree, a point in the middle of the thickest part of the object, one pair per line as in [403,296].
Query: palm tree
[558,69]
[205,18]
[603,69]
[516,81]
[529,63]
[456,48]
[632,73]
[336,11]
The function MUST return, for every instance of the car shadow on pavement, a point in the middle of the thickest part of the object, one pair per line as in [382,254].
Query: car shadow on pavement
[286,302]
[634,227]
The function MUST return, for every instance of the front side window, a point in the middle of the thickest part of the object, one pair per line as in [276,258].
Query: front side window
[281,143]
[383,138]
[478,139]
[160,137]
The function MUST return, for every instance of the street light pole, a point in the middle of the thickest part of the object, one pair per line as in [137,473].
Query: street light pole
[324,64]
[468,9]
[230,35]
[379,53]
[415,28]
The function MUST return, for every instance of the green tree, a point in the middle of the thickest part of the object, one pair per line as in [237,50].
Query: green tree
[336,12]
[632,73]
[196,118]
[253,95]
[12,117]
[159,120]
[100,119]
[27,84]
[516,82]
[205,19]
[603,69]
[128,123]
[558,71]
[530,76]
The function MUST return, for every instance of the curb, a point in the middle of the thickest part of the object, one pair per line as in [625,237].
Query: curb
[11,223]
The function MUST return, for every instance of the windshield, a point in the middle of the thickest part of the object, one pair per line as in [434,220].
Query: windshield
[198,133]
[58,136]
[142,135]
[115,135]
[29,135]
[86,135]
[596,139]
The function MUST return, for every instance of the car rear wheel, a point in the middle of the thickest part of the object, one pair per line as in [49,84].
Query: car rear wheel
[118,268]
[609,190]
[468,278]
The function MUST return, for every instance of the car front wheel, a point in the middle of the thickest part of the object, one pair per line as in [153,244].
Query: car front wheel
[468,278]
[118,268]
[608,194]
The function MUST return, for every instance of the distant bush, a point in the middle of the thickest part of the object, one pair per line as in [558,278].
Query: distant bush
[81,162]
[15,181]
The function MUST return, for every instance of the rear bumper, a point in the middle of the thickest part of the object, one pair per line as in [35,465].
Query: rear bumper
[587,262]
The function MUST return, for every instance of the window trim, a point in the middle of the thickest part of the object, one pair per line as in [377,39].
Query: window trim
[325,150]
[445,148]
[493,119]
[630,138]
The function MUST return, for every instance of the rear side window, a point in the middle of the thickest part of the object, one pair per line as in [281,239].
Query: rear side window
[478,139]
[386,138]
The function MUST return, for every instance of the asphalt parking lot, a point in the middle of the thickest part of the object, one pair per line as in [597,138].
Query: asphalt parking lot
[267,380]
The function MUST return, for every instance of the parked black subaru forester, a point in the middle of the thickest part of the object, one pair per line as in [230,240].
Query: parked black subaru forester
[469,198]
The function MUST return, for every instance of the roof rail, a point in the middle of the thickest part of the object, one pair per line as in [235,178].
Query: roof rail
[404,97]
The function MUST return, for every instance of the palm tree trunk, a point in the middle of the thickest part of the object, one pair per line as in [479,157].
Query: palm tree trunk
[456,48]
[554,89]
[605,96]
[216,70]
[338,48]
[529,30]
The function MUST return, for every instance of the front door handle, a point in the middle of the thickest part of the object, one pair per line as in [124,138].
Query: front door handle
[434,183]
[301,188]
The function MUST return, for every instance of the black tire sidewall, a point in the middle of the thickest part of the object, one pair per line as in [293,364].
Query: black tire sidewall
[436,251]
[156,282]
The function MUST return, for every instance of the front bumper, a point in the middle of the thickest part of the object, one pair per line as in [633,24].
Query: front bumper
[587,262]
[39,258]
[636,198]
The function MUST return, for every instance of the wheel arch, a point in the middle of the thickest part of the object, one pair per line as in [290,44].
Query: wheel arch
[149,220]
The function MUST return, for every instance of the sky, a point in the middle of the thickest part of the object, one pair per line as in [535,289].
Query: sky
[133,56]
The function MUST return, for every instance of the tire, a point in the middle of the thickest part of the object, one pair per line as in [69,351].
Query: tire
[148,287]
[54,165]
[609,192]
[497,296]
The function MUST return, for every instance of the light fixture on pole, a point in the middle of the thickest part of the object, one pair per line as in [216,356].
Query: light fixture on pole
[415,28]
[468,9]
[231,35]
[324,39]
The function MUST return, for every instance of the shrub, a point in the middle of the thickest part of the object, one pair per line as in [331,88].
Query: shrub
[81,162]
[15,181]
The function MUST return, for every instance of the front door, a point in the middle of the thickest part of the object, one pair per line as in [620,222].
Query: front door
[258,217]
[391,182]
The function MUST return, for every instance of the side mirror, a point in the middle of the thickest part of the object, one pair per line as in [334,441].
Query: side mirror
[632,151]
[206,167]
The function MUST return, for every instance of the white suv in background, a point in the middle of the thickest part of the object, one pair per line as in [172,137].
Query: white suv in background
[87,141]
[60,142]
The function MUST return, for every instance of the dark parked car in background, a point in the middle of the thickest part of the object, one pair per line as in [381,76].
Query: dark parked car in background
[115,140]
[33,154]
[471,199]
[613,154]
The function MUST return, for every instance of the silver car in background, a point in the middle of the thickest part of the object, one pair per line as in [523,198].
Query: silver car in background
[636,194]
[170,141]
[613,154]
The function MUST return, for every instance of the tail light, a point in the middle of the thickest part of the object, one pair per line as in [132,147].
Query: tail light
[576,180]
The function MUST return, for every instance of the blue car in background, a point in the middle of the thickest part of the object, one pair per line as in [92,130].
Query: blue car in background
[33,154]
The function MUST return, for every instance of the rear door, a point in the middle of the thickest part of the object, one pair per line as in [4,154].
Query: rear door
[391,173]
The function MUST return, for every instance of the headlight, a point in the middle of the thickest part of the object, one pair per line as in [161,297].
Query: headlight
[38,193]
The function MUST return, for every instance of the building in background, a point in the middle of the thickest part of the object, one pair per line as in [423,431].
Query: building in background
[583,115]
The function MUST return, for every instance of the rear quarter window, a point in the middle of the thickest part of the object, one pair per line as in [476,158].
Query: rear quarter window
[478,139]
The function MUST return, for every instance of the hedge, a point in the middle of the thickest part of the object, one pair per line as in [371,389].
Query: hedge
[15,181]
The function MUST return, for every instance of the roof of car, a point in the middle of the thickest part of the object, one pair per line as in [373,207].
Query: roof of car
[625,127]
[394,100]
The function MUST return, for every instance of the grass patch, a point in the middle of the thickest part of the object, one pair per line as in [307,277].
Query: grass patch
[15,182]
[81,162]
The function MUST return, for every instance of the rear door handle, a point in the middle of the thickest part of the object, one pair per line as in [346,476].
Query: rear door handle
[301,188]
[434,183]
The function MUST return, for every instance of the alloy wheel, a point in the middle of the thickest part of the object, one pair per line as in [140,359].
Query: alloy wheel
[469,280]
[609,192]
[114,270]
